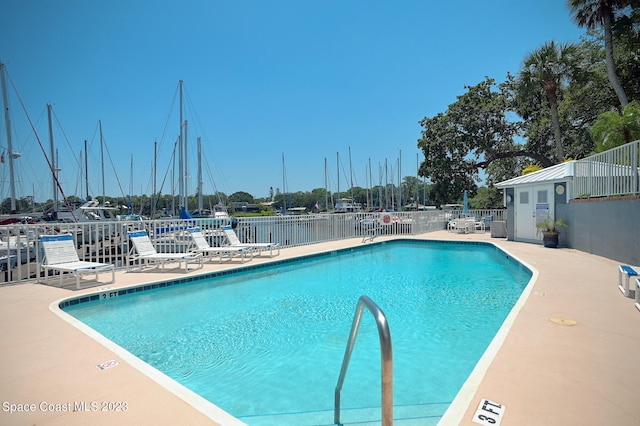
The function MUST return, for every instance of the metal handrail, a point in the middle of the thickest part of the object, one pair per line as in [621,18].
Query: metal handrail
[386,359]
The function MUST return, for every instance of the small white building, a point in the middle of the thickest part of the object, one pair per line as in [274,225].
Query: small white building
[534,197]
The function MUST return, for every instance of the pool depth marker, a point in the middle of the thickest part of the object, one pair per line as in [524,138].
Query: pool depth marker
[489,413]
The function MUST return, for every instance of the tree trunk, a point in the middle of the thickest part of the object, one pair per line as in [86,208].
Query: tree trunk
[611,66]
[555,119]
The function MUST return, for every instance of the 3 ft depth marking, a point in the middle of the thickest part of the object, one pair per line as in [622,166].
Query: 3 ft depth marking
[489,413]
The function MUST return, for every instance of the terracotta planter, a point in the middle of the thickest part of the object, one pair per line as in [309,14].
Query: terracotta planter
[550,239]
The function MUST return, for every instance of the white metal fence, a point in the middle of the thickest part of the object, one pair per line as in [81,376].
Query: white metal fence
[610,173]
[107,242]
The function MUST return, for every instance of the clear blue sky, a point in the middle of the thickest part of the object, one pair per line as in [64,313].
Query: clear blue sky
[307,79]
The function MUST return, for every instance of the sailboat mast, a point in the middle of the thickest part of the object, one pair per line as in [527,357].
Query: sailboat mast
[153,196]
[326,193]
[199,174]
[7,120]
[186,165]
[379,185]
[80,169]
[338,169]
[53,164]
[131,185]
[173,178]
[284,186]
[370,185]
[180,152]
[400,182]
[350,177]
[86,169]
[386,185]
[104,198]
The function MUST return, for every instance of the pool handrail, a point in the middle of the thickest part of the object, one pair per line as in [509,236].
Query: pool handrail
[386,359]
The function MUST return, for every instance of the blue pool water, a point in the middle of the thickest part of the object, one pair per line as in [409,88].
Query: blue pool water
[269,341]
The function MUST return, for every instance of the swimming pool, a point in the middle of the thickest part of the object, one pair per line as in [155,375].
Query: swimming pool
[266,344]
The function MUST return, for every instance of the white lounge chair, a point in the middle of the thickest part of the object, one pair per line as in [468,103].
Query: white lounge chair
[461,226]
[370,229]
[228,252]
[60,255]
[233,240]
[143,251]
[625,274]
[479,226]
[638,293]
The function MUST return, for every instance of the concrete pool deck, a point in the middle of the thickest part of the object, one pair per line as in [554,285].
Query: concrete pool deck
[543,372]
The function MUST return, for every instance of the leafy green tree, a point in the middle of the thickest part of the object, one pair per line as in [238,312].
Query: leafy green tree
[359,195]
[601,13]
[288,200]
[505,168]
[413,190]
[626,33]
[298,199]
[241,197]
[319,196]
[614,129]
[6,206]
[474,133]
[588,95]
[550,67]
[486,198]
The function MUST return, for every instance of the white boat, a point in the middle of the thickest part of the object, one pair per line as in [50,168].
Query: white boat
[104,221]
[219,211]
[16,248]
[347,205]
[89,211]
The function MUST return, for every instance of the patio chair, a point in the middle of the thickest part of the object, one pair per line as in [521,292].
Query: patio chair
[60,256]
[233,240]
[625,274]
[638,293]
[143,251]
[479,225]
[370,229]
[228,252]
[461,226]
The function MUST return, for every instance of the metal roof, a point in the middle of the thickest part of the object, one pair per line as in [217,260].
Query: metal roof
[559,172]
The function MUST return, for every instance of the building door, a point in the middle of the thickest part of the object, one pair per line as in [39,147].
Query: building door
[532,205]
[524,214]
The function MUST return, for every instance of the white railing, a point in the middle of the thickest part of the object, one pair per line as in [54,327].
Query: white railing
[107,241]
[610,173]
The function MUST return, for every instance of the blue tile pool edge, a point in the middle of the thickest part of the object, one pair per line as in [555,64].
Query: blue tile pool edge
[452,416]
[104,293]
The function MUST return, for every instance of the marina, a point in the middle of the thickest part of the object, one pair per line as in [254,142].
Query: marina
[106,240]
[562,368]
[140,179]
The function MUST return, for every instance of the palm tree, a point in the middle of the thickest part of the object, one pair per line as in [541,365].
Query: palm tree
[550,67]
[614,129]
[595,13]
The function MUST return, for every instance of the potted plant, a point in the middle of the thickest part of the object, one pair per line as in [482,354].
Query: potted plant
[549,230]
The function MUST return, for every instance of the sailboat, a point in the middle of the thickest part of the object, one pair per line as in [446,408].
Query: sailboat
[91,209]
[217,212]
[13,248]
[175,234]
[346,204]
[12,155]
